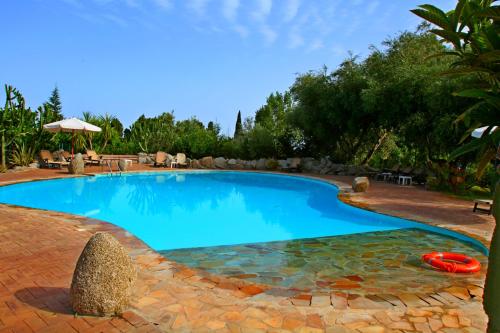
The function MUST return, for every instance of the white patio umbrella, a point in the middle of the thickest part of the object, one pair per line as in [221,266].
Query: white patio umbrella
[478,132]
[71,125]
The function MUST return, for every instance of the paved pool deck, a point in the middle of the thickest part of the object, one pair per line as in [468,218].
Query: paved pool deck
[39,250]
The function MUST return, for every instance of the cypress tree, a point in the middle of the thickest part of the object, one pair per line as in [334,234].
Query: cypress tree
[210,126]
[238,128]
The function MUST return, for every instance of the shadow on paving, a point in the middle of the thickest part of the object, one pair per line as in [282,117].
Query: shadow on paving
[54,299]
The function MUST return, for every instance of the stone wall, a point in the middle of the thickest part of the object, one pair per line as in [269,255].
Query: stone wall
[306,164]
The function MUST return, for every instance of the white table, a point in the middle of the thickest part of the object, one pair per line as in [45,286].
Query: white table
[485,202]
[384,175]
[404,180]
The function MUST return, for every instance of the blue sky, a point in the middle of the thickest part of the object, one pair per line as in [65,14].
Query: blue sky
[203,58]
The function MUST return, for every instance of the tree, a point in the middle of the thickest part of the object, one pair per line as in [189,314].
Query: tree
[55,103]
[153,134]
[238,128]
[108,131]
[194,139]
[272,118]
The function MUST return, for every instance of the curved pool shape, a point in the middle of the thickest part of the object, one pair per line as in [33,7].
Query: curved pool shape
[175,210]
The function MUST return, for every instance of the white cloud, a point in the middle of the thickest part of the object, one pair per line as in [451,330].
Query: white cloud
[263,9]
[230,9]
[163,4]
[291,9]
[198,6]
[269,34]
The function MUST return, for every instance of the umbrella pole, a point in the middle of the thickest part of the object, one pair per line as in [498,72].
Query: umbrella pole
[72,144]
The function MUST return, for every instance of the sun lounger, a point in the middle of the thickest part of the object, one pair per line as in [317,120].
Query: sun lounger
[293,164]
[160,159]
[179,161]
[93,158]
[47,160]
[66,155]
[485,202]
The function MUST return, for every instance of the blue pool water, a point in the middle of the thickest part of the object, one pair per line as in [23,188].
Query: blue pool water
[174,210]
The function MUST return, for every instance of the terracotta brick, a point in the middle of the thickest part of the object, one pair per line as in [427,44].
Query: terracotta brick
[35,322]
[134,319]
[79,324]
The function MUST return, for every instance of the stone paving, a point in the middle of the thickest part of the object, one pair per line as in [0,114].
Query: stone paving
[38,251]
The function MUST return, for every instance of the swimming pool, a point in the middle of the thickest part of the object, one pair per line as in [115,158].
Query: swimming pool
[178,210]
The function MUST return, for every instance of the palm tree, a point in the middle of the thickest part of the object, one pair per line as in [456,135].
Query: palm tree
[90,118]
[473,28]
[106,123]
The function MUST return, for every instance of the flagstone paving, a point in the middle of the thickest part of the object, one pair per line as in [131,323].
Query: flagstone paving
[39,249]
[360,263]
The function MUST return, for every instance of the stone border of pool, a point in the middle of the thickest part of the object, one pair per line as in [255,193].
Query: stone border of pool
[158,273]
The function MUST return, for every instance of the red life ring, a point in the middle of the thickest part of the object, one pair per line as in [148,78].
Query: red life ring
[460,263]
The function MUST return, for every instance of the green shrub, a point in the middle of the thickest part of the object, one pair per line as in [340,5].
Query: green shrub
[480,190]
[272,164]
[23,155]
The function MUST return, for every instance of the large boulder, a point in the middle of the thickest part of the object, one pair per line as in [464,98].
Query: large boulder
[234,164]
[77,165]
[195,164]
[145,158]
[294,162]
[123,164]
[272,164]
[360,184]
[250,165]
[283,164]
[353,170]
[307,163]
[103,278]
[220,163]
[336,168]
[207,162]
[261,164]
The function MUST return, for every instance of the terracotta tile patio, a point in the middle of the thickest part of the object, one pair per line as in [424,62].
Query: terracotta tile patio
[39,249]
